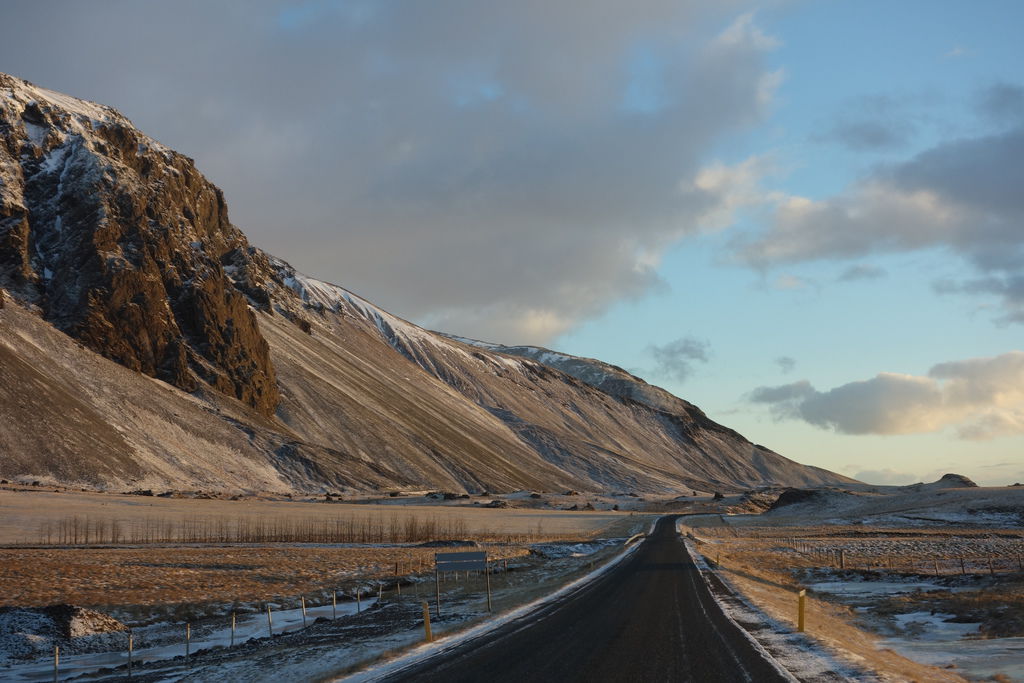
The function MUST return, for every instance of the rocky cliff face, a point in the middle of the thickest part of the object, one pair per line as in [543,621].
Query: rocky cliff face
[125,246]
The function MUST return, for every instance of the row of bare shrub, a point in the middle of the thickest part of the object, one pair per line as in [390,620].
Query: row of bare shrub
[86,530]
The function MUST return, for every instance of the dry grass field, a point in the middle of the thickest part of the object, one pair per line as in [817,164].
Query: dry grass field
[115,550]
[24,514]
[110,577]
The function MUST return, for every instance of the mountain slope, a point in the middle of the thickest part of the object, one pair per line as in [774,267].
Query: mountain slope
[223,367]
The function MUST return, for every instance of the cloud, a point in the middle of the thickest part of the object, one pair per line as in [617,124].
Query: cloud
[1002,102]
[981,398]
[472,166]
[886,477]
[957,51]
[962,196]
[866,135]
[871,123]
[786,364]
[788,282]
[675,359]
[861,272]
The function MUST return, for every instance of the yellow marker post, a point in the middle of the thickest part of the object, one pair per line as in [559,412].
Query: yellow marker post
[426,623]
[800,614]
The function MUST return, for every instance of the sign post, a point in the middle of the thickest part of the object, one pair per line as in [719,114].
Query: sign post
[456,562]
[437,591]
[487,577]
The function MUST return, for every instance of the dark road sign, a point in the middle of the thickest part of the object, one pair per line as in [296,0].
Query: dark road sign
[475,561]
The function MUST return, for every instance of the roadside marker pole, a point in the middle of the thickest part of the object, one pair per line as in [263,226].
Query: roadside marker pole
[359,602]
[334,605]
[188,642]
[232,629]
[56,662]
[302,601]
[380,591]
[270,622]
[426,623]
[800,610]
[131,646]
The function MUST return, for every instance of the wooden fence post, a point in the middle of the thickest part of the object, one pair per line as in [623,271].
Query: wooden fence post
[188,642]
[302,601]
[56,662]
[270,622]
[131,646]
[800,610]
[232,629]
[334,605]
[426,623]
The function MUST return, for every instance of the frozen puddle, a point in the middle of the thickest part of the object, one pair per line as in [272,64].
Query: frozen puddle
[929,639]
[247,627]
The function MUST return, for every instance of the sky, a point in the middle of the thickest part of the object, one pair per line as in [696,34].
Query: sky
[804,217]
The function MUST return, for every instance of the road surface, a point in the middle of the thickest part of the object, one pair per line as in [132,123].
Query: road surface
[651,618]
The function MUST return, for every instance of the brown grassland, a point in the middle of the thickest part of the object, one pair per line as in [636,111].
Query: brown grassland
[113,550]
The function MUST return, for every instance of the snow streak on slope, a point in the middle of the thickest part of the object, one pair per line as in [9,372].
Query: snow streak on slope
[599,425]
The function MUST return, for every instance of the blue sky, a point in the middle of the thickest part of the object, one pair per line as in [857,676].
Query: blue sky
[804,217]
[917,69]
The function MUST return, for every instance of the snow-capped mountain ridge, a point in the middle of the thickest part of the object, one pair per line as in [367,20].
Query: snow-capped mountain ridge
[186,357]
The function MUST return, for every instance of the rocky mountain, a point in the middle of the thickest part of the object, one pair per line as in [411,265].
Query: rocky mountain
[145,343]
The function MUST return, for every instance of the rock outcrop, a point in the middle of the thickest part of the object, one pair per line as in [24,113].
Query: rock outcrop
[126,247]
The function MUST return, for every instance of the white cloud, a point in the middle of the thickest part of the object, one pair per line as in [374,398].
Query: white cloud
[980,398]
[468,165]
[962,196]
[886,477]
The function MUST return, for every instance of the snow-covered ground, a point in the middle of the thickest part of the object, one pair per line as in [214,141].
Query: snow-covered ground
[247,627]
[933,639]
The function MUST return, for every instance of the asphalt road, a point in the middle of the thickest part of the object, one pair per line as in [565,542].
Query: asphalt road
[651,618]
